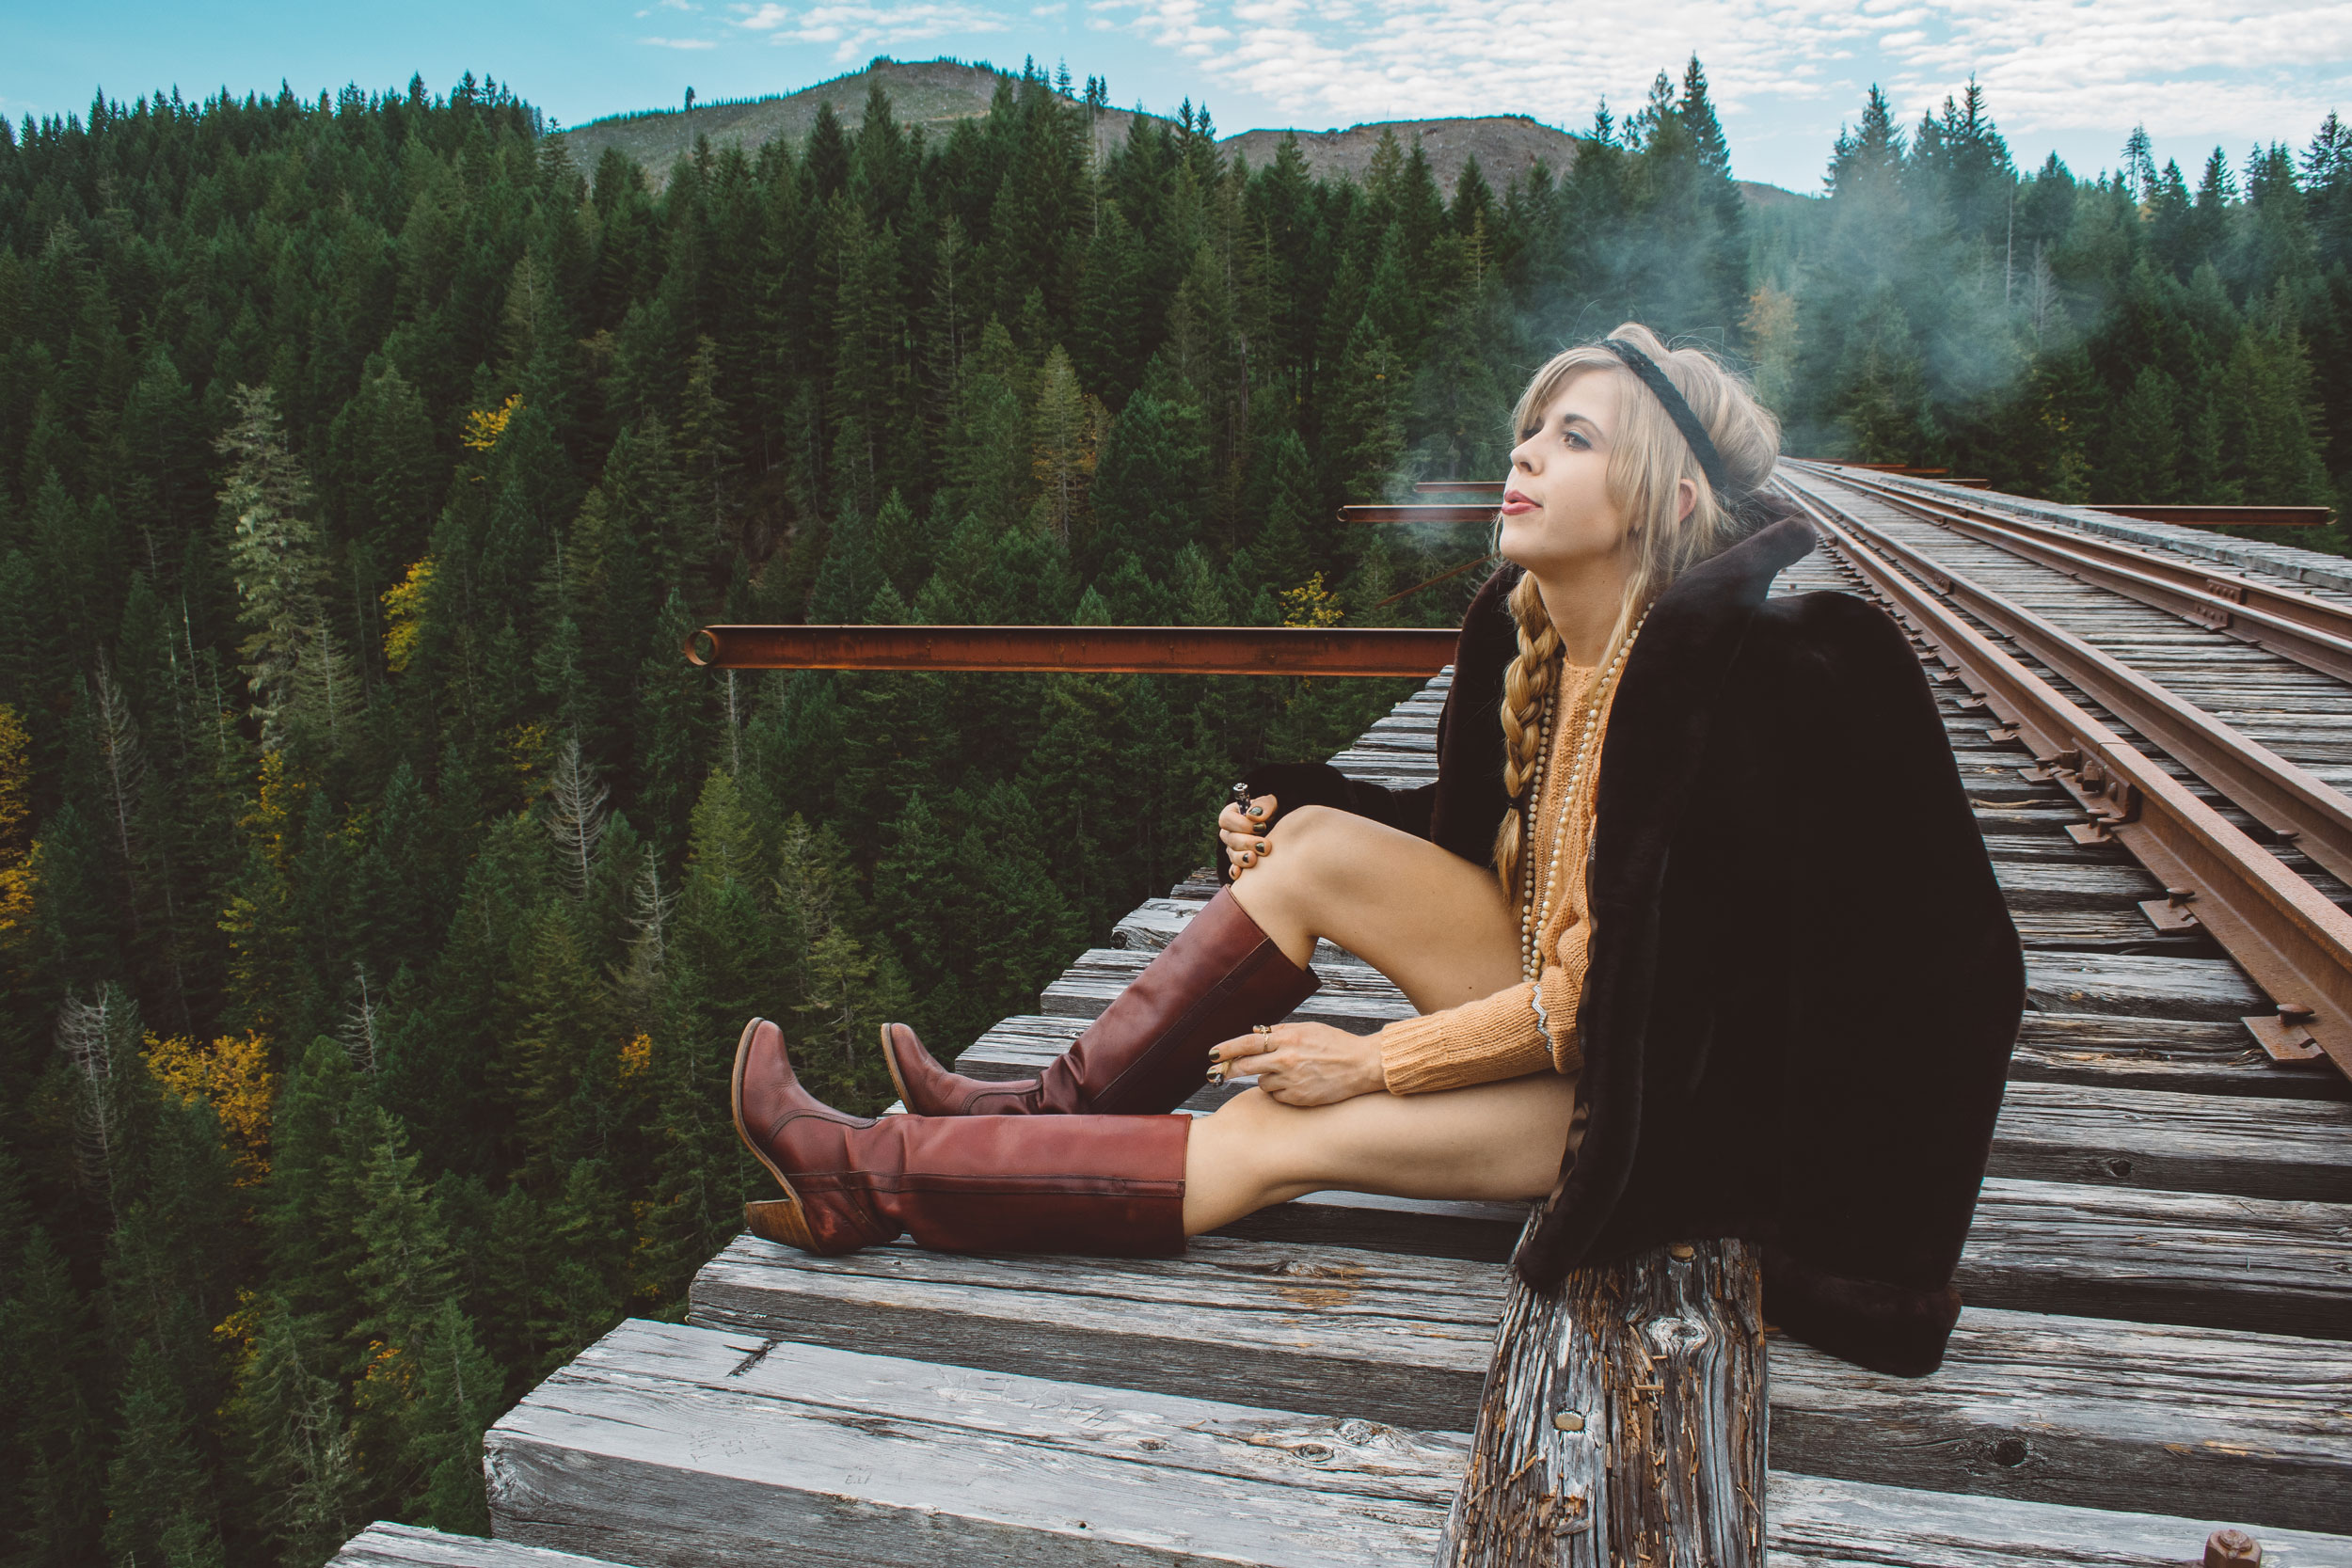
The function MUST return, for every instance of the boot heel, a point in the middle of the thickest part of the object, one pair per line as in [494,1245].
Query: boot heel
[780,1220]
[890,1060]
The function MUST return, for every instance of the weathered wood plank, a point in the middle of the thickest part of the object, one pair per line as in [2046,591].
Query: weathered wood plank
[691,1448]
[1819,1523]
[2185,1056]
[2053,1409]
[2284,1148]
[2116,1414]
[2213,989]
[388,1545]
[1322,1329]
[672,1445]
[2050,1246]
[2258,1264]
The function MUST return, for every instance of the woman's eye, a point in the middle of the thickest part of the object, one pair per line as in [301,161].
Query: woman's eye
[1574,438]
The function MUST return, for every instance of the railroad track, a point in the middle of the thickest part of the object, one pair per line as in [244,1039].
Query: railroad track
[2159,1333]
[2133,707]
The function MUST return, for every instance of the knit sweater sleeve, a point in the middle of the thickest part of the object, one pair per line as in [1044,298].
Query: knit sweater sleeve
[1494,1037]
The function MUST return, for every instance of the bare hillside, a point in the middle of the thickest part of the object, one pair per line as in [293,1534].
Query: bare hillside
[937,93]
[1504,144]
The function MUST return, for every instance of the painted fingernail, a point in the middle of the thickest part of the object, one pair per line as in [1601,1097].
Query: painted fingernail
[1262,847]
[1256,811]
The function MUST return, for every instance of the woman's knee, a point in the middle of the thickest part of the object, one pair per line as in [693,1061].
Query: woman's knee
[1308,843]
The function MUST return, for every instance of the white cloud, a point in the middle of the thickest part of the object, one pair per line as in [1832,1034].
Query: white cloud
[2229,70]
[679,43]
[854,30]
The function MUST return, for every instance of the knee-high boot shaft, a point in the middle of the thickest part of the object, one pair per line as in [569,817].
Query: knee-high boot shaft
[1102,1185]
[1148,1051]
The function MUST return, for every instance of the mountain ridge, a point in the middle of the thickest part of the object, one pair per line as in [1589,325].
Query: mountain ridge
[937,93]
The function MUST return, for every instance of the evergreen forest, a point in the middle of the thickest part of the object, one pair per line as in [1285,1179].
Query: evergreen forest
[381,891]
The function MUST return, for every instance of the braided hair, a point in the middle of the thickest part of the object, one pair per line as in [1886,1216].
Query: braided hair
[1527,685]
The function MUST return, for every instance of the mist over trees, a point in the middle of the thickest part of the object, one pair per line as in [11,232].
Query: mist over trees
[381,892]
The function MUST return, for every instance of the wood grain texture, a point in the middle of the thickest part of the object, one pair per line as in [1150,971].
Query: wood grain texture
[2199,1143]
[668,1444]
[1341,1332]
[677,1448]
[389,1545]
[1819,1523]
[2157,1256]
[1321,1329]
[2185,1056]
[1657,1364]
[2056,1409]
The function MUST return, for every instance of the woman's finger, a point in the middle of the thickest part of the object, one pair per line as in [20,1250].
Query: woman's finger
[1242,1047]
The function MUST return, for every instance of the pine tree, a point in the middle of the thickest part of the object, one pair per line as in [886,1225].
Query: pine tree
[295,1438]
[158,1492]
[1061,444]
[272,550]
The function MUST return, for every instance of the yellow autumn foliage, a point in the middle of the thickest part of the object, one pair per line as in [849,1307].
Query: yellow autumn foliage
[636,1057]
[19,872]
[1311,604]
[485,426]
[231,1075]
[403,615]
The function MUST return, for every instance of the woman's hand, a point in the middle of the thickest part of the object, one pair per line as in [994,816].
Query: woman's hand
[1243,832]
[1303,1064]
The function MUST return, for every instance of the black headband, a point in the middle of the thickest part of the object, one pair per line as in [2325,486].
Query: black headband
[1702,445]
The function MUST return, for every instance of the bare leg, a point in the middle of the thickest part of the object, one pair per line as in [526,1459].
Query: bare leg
[1498,1141]
[1429,920]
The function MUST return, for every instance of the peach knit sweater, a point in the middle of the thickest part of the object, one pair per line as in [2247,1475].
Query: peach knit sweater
[1499,1036]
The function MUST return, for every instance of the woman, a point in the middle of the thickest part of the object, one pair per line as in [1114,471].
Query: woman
[1751,976]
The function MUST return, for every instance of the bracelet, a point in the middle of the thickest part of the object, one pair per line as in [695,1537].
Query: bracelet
[1543,1020]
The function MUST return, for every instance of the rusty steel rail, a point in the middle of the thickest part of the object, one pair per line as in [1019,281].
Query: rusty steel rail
[2290,800]
[2313,632]
[2295,944]
[1056,650]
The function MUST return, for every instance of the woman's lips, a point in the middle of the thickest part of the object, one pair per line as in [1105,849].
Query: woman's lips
[1513,503]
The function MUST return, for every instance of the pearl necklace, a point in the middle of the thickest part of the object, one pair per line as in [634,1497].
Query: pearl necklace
[1533,914]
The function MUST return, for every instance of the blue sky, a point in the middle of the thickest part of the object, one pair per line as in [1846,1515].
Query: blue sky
[2072,76]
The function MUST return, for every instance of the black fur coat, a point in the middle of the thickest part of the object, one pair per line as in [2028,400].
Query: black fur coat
[1804,984]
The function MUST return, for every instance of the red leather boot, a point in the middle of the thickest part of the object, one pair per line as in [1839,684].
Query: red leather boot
[1110,1186]
[1149,1050]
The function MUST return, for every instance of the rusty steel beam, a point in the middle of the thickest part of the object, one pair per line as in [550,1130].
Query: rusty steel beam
[2286,798]
[2311,631]
[2234,516]
[2295,944]
[1417,514]
[1053,650]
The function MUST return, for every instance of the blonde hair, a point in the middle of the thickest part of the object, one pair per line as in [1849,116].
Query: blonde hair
[1648,462]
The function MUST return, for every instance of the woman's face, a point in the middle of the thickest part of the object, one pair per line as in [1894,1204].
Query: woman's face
[1557,514]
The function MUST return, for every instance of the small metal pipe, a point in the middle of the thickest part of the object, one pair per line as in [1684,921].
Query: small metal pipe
[1417,514]
[1056,650]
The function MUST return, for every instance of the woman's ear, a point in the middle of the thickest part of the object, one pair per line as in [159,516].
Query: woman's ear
[1686,497]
